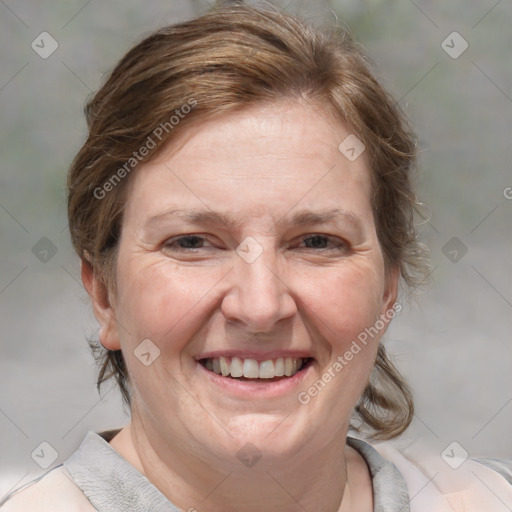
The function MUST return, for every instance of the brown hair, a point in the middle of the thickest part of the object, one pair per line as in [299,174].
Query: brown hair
[229,59]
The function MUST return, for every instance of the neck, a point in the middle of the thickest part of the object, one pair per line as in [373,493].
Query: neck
[314,482]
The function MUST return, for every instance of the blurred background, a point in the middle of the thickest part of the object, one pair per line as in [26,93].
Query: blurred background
[447,63]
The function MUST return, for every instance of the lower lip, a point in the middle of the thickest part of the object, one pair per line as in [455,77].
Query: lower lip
[257,389]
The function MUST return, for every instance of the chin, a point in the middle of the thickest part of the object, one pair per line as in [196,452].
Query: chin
[277,437]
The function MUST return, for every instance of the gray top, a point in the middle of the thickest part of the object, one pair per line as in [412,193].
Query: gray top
[111,484]
[114,485]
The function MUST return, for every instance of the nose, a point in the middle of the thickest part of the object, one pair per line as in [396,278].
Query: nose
[259,296]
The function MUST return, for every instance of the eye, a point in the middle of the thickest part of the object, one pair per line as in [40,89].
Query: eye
[191,243]
[184,243]
[323,243]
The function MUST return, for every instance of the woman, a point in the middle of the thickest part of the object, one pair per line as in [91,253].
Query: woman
[243,211]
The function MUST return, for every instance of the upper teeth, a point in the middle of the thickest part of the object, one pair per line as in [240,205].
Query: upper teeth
[252,369]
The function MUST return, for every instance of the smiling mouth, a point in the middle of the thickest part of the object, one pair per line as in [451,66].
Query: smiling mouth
[249,369]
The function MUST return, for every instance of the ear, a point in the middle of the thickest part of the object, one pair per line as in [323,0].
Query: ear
[390,291]
[101,306]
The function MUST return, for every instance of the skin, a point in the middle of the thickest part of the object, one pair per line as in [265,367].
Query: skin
[258,166]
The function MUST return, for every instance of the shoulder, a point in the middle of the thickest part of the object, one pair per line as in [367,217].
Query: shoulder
[55,491]
[449,480]
[501,466]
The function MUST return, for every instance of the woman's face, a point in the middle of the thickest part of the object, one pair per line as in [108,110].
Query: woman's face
[252,241]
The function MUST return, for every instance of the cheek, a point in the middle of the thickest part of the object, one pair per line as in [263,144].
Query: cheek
[346,302]
[344,308]
[161,302]
[158,302]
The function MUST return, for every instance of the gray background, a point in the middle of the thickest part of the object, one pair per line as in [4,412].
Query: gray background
[453,343]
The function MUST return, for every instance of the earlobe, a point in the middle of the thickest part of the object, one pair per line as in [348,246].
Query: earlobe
[101,305]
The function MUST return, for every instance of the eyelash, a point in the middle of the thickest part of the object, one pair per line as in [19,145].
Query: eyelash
[338,243]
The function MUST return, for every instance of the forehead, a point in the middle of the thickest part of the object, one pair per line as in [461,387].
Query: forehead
[291,127]
[270,155]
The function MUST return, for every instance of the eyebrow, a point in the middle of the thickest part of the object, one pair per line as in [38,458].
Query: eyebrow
[300,217]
